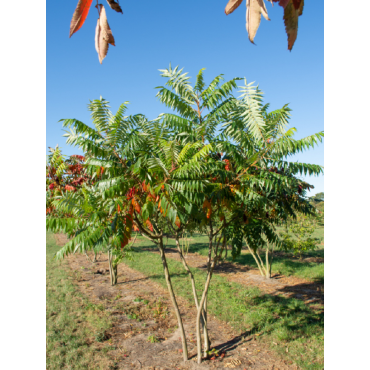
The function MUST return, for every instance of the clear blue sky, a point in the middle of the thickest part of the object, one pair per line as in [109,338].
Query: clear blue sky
[193,34]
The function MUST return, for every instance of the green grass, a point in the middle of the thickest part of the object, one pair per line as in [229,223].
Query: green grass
[285,265]
[285,321]
[71,320]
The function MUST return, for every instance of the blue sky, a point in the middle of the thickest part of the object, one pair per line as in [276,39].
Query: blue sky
[193,34]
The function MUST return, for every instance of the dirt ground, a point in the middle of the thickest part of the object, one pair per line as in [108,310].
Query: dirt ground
[141,310]
[310,292]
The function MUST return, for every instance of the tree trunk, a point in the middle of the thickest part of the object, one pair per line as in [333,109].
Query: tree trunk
[173,299]
[205,329]
[199,312]
[256,260]
[267,268]
[191,276]
[112,269]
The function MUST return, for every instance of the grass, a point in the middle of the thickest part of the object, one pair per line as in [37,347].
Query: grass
[284,264]
[75,328]
[276,319]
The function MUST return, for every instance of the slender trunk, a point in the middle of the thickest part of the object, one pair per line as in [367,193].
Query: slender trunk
[256,260]
[94,257]
[199,312]
[267,269]
[112,269]
[205,329]
[202,304]
[173,299]
[191,276]
[272,256]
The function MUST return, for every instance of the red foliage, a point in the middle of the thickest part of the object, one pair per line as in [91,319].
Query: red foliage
[70,188]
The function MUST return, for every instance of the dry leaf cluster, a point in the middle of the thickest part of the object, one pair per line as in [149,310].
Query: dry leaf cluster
[103,33]
[255,8]
[292,10]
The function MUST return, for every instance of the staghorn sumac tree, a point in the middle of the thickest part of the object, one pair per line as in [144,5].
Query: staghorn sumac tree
[209,165]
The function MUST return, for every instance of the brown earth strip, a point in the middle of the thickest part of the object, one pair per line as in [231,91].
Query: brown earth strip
[151,315]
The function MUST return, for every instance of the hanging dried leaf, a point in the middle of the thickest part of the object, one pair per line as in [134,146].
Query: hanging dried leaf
[232,5]
[97,33]
[291,14]
[105,32]
[283,3]
[263,9]
[103,35]
[253,18]
[115,6]
[79,16]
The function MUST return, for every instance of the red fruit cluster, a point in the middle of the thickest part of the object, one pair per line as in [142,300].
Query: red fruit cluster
[80,157]
[227,167]
[78,181]
[70,188]
[75,169]
[51,186]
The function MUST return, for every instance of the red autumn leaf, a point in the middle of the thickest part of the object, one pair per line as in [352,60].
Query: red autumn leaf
[118,208]
[149,224]
[79,16]
[136,205]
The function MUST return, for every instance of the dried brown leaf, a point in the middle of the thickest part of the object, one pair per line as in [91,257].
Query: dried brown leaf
[103,35]
[263,9]
[97,33]
[232,5]
[253,18]
[104,27]
[115,6]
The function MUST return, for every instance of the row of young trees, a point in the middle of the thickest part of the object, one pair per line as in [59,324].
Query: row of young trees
[217,164]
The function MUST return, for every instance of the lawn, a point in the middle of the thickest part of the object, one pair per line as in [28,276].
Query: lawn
[296,329]
[74,327]
[285,264]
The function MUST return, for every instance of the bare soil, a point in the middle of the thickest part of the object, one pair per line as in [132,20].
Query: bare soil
[141,309]
[310,292]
